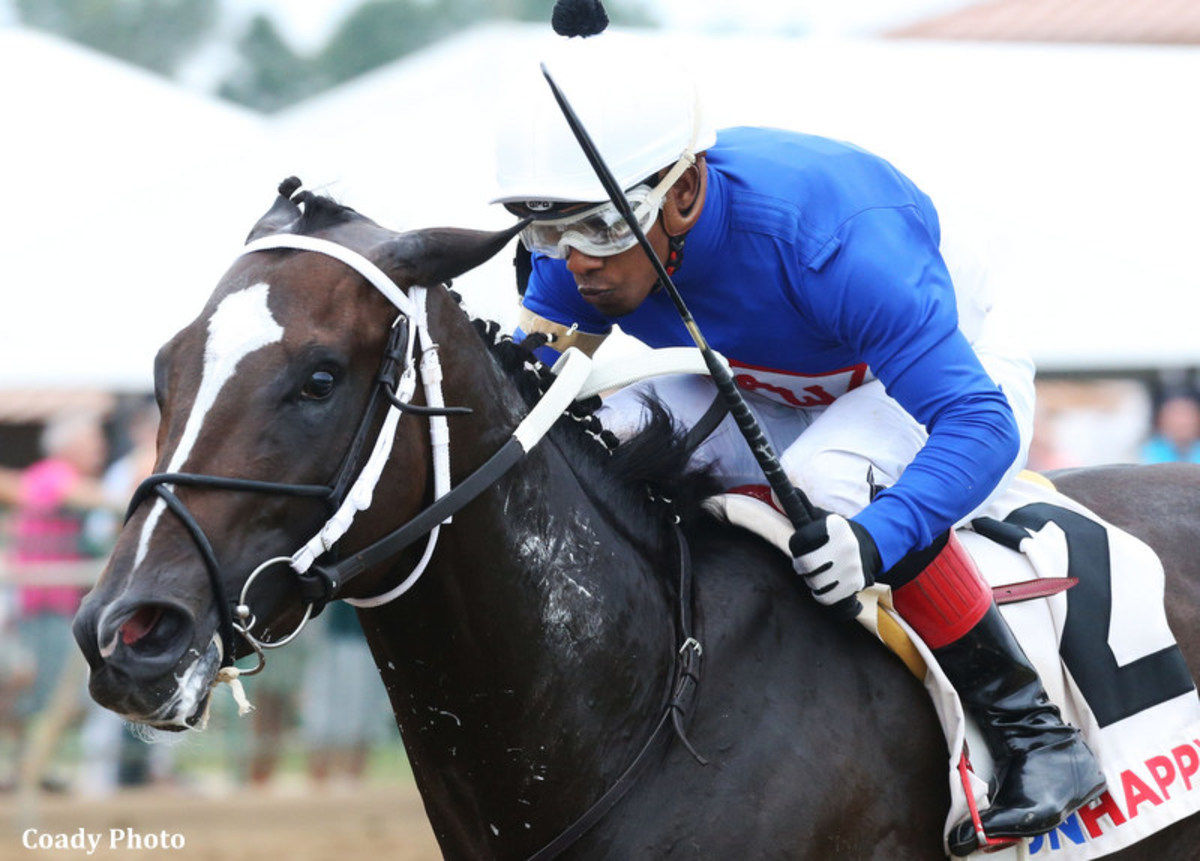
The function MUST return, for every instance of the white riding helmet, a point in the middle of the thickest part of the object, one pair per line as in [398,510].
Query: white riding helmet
[642,113]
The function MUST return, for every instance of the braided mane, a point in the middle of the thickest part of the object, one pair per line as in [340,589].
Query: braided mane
[321,211]
[649,467]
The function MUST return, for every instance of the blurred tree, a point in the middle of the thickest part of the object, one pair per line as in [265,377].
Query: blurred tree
[375,33]
[380,31]
[155,34]
[271,75]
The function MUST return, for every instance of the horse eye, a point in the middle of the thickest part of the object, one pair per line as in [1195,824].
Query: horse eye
[318,387]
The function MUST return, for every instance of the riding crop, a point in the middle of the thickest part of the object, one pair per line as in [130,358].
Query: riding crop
[796,506]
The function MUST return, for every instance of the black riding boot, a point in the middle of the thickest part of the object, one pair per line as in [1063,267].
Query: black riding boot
[1044,770]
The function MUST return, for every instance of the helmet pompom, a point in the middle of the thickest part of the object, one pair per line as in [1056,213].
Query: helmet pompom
[578,18]
[288,187]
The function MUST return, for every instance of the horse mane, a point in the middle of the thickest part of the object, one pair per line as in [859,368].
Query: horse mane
[642,471]
[320,211]
[649,471]
[304,212]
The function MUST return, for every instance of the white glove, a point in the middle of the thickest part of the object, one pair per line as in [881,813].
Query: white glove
[836,557]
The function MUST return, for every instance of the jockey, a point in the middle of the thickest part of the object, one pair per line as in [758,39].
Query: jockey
[816,269]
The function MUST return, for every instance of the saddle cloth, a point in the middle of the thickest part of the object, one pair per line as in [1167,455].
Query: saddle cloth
[1102,647]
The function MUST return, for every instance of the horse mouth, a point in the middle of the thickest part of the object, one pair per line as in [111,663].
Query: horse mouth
[187,706]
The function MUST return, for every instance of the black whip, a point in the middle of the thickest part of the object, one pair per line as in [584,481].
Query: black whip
[795,504]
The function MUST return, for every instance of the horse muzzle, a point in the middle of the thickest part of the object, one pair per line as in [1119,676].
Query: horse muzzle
[145,659]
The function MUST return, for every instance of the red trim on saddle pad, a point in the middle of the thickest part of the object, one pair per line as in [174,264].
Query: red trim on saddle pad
[761,492]
[944,601]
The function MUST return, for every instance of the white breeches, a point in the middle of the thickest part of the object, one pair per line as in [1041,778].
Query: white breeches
[829,452]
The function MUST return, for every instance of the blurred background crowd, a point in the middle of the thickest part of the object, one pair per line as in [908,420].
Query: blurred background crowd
[320,711]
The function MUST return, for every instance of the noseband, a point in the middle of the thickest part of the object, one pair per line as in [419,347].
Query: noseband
[396,383]
[349,493]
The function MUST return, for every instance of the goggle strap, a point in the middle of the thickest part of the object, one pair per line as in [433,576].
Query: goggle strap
[672,176]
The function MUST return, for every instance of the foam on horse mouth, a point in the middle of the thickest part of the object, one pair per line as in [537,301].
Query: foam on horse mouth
[188,706]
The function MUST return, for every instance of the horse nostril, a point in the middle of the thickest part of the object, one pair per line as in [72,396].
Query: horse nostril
[153,629]
[145,640]
[140,624]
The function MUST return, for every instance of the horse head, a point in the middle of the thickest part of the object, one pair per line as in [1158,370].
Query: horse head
[268,416]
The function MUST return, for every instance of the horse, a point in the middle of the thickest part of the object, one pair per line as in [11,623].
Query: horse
[585,661]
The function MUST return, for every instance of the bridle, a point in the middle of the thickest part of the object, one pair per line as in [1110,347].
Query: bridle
[318,574]
[350,494]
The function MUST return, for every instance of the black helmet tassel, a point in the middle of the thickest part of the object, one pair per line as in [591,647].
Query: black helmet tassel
[578,18]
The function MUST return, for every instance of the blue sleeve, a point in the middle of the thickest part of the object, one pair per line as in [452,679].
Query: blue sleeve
[887,292]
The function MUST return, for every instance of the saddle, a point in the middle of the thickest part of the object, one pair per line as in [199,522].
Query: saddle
[1085,600]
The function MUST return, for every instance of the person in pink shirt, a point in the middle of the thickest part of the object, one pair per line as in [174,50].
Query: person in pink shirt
[51,498]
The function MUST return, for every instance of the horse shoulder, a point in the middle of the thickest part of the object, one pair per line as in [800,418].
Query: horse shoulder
[810,725]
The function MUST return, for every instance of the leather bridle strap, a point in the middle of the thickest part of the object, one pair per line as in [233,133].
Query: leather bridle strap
[684,682]
[162,485]
[570,372]
[392,543]
[152,484]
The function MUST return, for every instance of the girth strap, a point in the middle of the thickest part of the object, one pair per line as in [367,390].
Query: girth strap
[684,683]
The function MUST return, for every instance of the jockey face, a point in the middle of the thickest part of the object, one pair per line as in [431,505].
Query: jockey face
[616,285]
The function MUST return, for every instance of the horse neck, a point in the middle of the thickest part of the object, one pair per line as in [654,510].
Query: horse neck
[532,661]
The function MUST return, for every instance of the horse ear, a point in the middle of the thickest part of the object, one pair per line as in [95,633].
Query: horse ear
[282,214]
[435,255]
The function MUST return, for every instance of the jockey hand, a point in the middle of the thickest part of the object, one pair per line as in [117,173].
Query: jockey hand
[836,557]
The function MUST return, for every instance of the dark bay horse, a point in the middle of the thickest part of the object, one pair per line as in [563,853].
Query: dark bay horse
[538,656]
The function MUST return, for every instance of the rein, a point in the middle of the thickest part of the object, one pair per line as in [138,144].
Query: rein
[349,495]
[346,497]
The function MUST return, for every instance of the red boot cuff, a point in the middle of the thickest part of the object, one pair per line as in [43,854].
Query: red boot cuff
[947,599]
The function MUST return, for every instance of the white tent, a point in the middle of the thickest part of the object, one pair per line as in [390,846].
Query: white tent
[125,197]
[1076,165]
[1073,168]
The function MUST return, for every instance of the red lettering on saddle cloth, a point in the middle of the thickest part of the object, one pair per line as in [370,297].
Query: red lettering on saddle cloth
[1106,805]
[1163,772]
[1182,764]
[1137,792]
[1188,762]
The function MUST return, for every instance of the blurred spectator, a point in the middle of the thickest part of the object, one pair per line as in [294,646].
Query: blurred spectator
[1176,430]
[52,498]
[1045,452]
[345,709]
[112,755]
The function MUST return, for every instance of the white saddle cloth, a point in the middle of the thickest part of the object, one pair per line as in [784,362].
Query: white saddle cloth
[1150,758]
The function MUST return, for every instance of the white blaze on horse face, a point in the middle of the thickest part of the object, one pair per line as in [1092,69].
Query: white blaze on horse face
[241,325]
